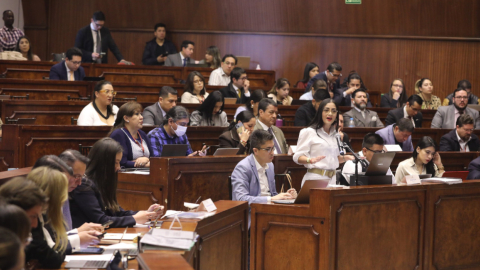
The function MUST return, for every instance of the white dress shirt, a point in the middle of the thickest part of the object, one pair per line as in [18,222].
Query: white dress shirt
[307,96]
[68,73]
[263,180]
[463,145]
[408,167]
[313,143]
[90,117]
[275,138]
[349,169]
[405,115]
[219,78]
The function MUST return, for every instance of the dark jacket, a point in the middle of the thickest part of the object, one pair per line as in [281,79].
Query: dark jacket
[304,114]
[229,91]
[395,115]
[39,250]
[84,41]
[149,56]
[472,99]
[59,72]
[231,139]
[322,76]
[449,142]
[385,102]
[474,169]
[347,100]
[86,205]
[127,157]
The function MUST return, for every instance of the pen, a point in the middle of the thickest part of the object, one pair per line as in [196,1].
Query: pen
[123,235]
[198,199]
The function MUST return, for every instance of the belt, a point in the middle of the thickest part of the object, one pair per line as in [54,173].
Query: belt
[327,173]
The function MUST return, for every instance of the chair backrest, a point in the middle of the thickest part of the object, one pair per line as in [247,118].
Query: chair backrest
[456,174]
[230,187]
[58,57]
[84,149]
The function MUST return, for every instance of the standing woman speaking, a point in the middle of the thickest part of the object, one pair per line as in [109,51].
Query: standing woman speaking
[317,147]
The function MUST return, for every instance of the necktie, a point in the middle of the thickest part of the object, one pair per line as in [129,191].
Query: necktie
[363,114]
[411,119]
[279,151]
[184,62]
[98,49]
[71,77]
[239,93]
[66,214]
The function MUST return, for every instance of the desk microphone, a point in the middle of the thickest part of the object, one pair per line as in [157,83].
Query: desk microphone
[340,145]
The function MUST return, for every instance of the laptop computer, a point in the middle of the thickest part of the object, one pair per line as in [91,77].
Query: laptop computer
[174,150]
[93,264]
[304,196]
[226,152]
[380,164]
[243,62]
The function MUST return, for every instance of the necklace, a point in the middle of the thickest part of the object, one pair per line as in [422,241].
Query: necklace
[99,112]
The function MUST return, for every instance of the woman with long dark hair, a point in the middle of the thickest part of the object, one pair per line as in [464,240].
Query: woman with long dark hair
[95,200]
[311,69]
[212,57]
[425,160]
[396,96]
[101,111]
[252,104]
[194,91]
[279,92]
[25,48]
[238,133]
[317,147]
[127,131]
[424,89]
[210,113]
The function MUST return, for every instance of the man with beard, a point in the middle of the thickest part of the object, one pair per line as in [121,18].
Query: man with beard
[462,137]
[447,116]
[361,116]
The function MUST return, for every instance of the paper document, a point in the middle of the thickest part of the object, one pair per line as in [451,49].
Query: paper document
[138,172]
[88,257]
[121,246]
[174,234]
[171,213]
[167,242]
[118,236]
[445,180]
[393,148]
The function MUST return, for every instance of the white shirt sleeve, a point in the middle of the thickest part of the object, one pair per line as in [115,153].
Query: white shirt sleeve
[400,173]
[214,78]
[86,117]
[74,240]
[303,145]
[247,94]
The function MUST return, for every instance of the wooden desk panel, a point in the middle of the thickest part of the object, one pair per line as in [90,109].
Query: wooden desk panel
[98,70]
[26,74]
[139,77]
[45,65]
[41,94]
[84,88]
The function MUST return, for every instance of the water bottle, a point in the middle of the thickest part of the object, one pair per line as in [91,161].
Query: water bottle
[258,67]
[279,122]
[351,123]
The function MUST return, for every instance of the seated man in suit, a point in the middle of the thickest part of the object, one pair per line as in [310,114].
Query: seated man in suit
[267,117]
[446,116]
[474,169]
[464,84]
[411,110]
[238,87]
[399,133]
[154,114]
[306,112]
[361,116]
[157,49]
[183,57]
[462,137]
[253,179]
[94,40]
[69,69]
[372,143]
[221,75]
[331,76]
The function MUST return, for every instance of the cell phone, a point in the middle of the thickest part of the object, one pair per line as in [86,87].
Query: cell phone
[108,223]
[240,127]
[90,250]
[100,236]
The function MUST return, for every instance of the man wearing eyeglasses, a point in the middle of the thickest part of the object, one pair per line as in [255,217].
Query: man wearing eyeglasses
[253,179]
[221,75]
[331,76]
[464,84]
[399,133]
[446,116]
[411,111]
[372,143]
[69,69]
[462,137]
[239,86]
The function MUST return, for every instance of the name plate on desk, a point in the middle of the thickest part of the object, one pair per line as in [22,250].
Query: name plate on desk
[207,205]
[412,179]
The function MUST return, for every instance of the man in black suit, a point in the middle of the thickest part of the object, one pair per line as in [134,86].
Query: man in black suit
[474,169]
[306,112]
[157,49]
[331,76]
[411,110]
[69,69]
[462,137]
[238,87]
[87,41]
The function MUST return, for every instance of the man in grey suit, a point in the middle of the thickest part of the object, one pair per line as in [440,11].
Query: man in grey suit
[182,58]
[253,179]
[154,114]
[447,116]
[361,116]
[267,116]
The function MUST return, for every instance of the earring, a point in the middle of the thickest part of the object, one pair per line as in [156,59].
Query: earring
[127,121]
[251,106]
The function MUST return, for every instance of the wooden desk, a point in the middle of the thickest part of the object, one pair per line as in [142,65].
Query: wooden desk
[39,65]
[371,227]
[26,74]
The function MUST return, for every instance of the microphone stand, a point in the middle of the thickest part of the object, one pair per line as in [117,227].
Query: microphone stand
[357,159]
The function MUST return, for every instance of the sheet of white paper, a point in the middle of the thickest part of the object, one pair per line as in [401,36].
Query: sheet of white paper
[393,148]
[173,234]
[166,242]
[138,225]
[118,236]
[292,149]
[171,213]
[88,257]
[190,205]
[121,246]
[138,172]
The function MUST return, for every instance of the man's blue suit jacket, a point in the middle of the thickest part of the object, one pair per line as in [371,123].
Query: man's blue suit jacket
[59,72]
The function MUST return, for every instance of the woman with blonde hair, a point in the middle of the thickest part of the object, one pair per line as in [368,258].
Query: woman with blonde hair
[424,89]
[55,186]
[279,92]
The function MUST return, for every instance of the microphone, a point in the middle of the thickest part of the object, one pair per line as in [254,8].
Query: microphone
[340,144]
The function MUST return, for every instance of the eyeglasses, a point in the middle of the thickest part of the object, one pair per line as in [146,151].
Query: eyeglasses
[243,78]
[78,176]
[76,62]
[464,98]
[333,75]
[398,85]
[198,81]
[468,130]
[108,92]
[333,111]
[375,152]
[269,149]
[229,63]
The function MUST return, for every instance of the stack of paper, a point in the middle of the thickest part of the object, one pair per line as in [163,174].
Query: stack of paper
[173,239]
[444,180]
